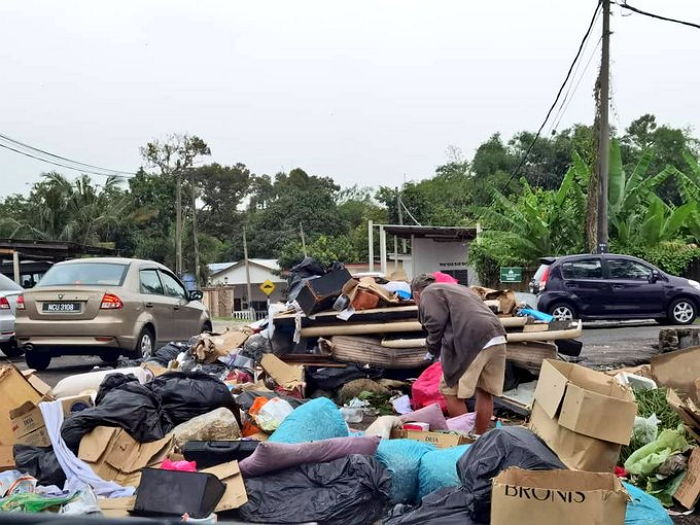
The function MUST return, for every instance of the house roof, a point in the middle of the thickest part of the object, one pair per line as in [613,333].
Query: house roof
[268,264]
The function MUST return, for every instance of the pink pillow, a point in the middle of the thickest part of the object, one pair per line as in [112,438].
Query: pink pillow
[269,457]
[432,414]
[444,278]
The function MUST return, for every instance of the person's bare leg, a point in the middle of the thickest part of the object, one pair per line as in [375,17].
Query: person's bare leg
[455,406]
[483,409]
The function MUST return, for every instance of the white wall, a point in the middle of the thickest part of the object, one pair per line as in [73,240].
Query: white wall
[430,256]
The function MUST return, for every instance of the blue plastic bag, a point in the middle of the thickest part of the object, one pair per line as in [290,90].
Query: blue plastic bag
[438,469]
[402,458]
[314,420]
[644,509]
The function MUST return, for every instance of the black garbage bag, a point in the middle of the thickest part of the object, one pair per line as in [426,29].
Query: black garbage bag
[121,402]
[331,379]
[493,452]
[307,269]
[246,399]
[255,346]
[348,491]
[39,462]
[184,396]
[167,353]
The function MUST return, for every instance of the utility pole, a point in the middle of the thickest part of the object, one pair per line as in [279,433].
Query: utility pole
[303,239]
[195,241]
[604,133]
[399,206]
[178,223]
[247,275]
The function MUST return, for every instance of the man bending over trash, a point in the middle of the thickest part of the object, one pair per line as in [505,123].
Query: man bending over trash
[470,341]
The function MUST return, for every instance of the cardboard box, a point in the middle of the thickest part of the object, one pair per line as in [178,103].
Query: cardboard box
[7,458]
[27,419]
[678,370]
[285,375]
[439,439]
[116,507]
[687,410]
[576,451]
[230,475]
[115,456]
[15,390]
[586,402]
[688,493]
[553,497]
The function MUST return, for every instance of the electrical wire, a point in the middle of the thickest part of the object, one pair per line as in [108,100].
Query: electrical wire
[35,157]
[625,5]
[561,89]
[39,154]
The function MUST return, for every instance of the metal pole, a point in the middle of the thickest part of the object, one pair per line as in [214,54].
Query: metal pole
[247,275]
[382,249]
[15,266]
[399,206]
[178,225]
[604,136]
[370,246]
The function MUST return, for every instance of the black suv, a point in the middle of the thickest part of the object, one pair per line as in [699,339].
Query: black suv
[609,286]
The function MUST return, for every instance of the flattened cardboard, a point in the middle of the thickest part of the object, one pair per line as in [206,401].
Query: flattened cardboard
[554,497]
[678,370]
[115,456]
[687,411]
[15,390]
[117,507]
[586,402]
[688,492]
[230,475]
[287,376]
[7,458]
[38,438]
[209,347]
[439,439]
[576,451]
[38,384]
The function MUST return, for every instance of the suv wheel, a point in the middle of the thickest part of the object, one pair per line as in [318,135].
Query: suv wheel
[10,349]
[37,359]
[563,312]
[145,344]
[682,311]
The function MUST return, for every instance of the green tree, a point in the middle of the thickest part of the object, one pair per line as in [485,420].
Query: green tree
[325,250]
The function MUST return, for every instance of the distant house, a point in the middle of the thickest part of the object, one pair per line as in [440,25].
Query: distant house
[233,275]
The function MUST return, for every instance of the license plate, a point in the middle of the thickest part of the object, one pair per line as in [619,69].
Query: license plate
[61,307]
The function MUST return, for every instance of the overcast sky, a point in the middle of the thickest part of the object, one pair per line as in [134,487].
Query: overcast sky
[367,92]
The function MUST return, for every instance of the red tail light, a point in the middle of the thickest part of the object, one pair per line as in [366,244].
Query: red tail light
[543,279]
[20,302]
[4,303]
[111,302]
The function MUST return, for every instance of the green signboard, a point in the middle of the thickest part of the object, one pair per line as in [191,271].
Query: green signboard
[511,274]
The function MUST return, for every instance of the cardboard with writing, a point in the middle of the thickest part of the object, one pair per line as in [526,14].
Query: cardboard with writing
[576,451]
[15,390]
[678,370]
[553,497]
[586,402]
[439,439]
[115,456]
[230,475]
[27,419]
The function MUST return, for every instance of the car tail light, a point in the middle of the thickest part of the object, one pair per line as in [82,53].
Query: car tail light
[543,279]
[20,302]
[111,302]
[4,303]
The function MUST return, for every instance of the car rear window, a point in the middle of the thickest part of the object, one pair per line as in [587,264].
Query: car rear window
[8,285]
[84,274]
[582,269]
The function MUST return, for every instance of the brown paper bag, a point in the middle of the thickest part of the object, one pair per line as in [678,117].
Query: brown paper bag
[555,497]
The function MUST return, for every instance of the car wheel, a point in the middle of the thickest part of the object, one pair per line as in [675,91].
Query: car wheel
[37,359]
[563,312]
[110,356]
[682,311]
[10,349]
[145,344]
[206,327]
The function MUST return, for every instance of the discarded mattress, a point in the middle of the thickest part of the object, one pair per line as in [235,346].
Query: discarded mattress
[369,350]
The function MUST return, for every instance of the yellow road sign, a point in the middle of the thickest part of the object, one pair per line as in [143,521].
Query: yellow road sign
[268,287]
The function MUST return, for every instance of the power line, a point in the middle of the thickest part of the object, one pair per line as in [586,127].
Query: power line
[561,89]
[625,5]
[40,152]
[58,163]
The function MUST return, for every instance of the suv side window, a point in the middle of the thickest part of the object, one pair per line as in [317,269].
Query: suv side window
[150,282]
[582,269]
[172,287]
[625,269]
